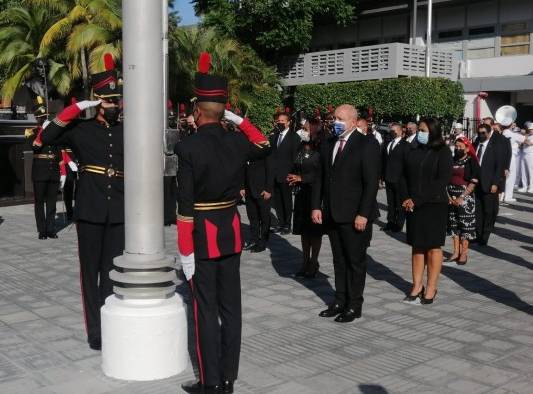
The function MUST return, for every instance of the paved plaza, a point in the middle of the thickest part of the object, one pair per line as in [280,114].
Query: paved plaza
[476,338]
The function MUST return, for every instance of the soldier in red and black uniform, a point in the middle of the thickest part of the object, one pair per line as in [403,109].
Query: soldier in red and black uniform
[99,214]
[210,174]
[45,175]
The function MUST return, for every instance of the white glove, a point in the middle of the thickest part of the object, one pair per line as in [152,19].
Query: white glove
[73,166]
[85,104]
[62,181]
[187,265]
[233,117]
[46,123]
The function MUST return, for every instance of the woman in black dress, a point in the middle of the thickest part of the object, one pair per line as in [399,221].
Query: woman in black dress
[306,169]
[426,172]
[462,204]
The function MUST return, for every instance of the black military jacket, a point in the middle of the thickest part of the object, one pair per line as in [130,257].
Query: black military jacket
[99,197]
[46,158]
[211,167]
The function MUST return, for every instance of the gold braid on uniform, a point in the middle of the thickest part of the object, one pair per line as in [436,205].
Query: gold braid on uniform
[59,122]
[185,218]
[261,145]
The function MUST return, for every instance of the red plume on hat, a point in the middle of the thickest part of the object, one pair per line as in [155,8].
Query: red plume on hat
[109,62]
[330,108]
[204,63]
[182,108]
[238,111]
[287,110]
[228,106]
[73,100]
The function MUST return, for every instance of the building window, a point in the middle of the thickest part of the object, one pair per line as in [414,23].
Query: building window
[515,39]
[450,35]
[481,31]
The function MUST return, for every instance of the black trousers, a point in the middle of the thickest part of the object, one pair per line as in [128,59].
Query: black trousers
[395,212]
[216,288]
[98,244]
[349,262]
[487,207]
[258,211]
[170,190]
[68,195]
[283,204]
[45,193]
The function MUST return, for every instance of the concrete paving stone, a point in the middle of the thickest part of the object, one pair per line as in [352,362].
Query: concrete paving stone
[467,386]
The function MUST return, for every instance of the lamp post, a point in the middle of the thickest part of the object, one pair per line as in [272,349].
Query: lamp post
[144,325]
[428,38]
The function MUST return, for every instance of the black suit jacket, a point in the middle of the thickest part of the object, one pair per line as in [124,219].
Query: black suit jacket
[256,178]
[349,187]
[392,162]
[493,164]
[505,149]
[282,158]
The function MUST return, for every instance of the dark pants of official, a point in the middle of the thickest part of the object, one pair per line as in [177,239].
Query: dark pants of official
[45,205]
[98,244]
[283,204]
[395,212]
[349,262]
[170,191]
[487,207]
[258,211]
[68,195]
[216,287]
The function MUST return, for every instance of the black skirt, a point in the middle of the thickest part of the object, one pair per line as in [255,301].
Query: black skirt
[302,223]
[426,226]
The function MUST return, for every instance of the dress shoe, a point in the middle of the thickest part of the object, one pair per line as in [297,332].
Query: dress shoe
[249,246]
[285,231]
[428,301]
[258,248]
[95,344]
[387,227]
[522,190]
[226,387]
[42,236]
[349,315]
[276,230]
[199,388]
[414,298]
[53,236]
[508,200]
[333,310]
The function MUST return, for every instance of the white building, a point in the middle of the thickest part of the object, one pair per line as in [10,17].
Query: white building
[486,44]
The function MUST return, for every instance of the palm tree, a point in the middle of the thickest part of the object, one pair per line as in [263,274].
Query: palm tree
[21,30]
[88,29]
[244,70]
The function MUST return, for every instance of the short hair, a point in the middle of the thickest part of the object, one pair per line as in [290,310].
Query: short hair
[485,127]
[212,111]
[287,116]
[395,124]
[490,119]
[412,124]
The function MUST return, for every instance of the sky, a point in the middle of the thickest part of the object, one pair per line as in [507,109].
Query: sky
[186,11]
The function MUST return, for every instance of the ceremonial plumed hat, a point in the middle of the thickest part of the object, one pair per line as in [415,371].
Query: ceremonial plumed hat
[209,88]
[39,109]
[106,84]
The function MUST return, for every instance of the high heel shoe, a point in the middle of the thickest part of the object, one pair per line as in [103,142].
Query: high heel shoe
[427,301]
[450,260]
[459,262]
[413,298]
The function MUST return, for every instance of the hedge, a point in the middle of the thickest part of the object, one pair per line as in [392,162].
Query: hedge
[402,98]
[262,106]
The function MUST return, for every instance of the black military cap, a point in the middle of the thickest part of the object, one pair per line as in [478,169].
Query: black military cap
[209,88]
[106,83]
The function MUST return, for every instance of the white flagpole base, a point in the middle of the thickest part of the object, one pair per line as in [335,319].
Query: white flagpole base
[144,339]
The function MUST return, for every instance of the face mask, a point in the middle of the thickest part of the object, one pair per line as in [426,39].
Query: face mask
[339,128]
[111,115]
[304,135]
[458,154]
[280,127]
[423,137]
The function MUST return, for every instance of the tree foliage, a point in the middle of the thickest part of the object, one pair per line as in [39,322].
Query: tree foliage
[273,27]
[402,98]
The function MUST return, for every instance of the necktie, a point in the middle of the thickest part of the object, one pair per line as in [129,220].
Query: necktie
[342,141]
[280,139]
[480,152]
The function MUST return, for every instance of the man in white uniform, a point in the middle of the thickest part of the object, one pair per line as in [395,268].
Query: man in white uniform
[516,139]
[527,160]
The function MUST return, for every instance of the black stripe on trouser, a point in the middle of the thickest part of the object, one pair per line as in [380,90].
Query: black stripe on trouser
[217,292]
[349,262]
[98,244]
[45,194]
[283,203]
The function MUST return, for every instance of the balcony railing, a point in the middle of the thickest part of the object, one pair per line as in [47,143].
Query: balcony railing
[366,63]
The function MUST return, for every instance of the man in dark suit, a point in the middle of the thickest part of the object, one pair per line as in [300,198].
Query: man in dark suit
[344,198]
[257,204]
[392,157]
[285,144]
[491,158]
[505,149]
